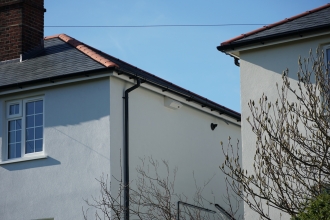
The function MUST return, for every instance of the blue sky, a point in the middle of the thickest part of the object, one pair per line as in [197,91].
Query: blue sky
[186,56]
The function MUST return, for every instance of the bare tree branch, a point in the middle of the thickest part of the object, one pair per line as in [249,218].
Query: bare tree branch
[291,161]
[152,196]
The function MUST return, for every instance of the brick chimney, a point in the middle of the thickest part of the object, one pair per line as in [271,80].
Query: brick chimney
[21,27]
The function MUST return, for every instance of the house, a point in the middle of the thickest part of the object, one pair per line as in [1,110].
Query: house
[263,55]
[63,122]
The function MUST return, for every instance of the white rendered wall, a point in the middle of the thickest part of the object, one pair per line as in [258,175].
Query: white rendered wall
[77,142]
[183,137]
[260,70]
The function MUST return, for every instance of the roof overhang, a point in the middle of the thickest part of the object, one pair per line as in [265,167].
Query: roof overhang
[234,48]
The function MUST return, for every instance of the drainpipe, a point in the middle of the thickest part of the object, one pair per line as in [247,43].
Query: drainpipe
[126,153]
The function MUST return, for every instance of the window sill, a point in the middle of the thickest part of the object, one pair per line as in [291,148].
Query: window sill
[17,160]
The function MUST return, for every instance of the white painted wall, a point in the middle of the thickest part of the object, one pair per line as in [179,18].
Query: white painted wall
[183,137]
[77,142]
[80,118]
[260,70]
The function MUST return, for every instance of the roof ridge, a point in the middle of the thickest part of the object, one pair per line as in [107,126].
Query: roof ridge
[275,24]
[87,50]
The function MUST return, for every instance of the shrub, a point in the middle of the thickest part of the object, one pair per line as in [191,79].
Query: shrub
[318,209]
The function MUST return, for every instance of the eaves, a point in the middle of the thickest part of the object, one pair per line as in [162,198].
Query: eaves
[233,47]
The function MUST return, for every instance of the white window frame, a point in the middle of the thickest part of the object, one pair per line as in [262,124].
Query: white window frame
[16,102]
[22,115]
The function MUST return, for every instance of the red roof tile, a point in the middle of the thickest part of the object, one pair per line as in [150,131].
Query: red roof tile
[84,49]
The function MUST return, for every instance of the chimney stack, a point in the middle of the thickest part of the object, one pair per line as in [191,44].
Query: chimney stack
[21,27]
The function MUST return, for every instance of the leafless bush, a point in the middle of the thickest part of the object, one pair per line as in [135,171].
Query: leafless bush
[152,196]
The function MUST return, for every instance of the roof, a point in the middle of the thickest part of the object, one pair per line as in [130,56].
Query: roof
[64,56]
[317,19]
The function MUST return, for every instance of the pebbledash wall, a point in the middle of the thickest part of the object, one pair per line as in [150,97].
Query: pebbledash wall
[260,70]
[83,138]
[77,142]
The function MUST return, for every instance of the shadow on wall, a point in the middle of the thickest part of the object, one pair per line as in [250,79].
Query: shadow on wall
[74,104]
[49,161]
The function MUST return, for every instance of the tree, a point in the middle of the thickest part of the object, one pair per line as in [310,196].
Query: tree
[291,161]
[152,196]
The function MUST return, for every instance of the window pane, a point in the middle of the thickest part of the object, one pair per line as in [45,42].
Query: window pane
[38,119]
[38,145]
[38,107]
[29,147]
[12,109]
[11,125]
[30,121]
[38,131]
[29,134]
[11,137]
[18,124]
[14,139]
[18,149]
[16,109]
[18,136]
[34,126]
[11,151]
[30,108]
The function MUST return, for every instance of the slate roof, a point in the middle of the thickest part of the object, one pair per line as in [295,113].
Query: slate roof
[64,57]
[313,20]
[58,58]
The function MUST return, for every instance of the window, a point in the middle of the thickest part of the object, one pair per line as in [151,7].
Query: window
[25,127]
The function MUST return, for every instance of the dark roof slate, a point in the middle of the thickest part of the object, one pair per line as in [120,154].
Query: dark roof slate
[57,59]
[313,20]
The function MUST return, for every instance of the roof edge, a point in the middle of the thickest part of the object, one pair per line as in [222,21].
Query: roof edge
[84,49]
[235,45]
[274,24]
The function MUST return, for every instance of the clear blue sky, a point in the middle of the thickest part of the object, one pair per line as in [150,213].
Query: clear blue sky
[186,56]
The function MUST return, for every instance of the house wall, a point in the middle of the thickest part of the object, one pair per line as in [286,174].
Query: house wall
[79,121]
[77,142]
[260,69]
[182,137]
